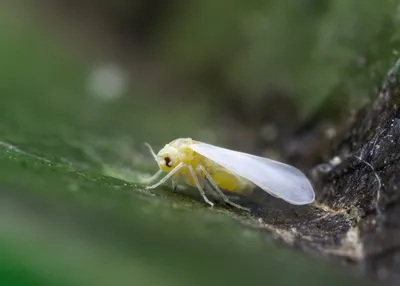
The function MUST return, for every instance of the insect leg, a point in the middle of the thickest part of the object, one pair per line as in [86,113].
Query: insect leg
[201,168]
[169,175]
[175,180]
[174,186]
[196,181]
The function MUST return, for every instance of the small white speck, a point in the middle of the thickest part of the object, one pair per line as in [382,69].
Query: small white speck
[330,133]
[107,82]
[335,161]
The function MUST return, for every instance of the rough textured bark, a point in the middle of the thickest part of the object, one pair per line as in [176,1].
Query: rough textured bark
[356,216]
[365,180]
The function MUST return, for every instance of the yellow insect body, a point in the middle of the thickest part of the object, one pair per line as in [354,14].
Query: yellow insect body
[233,171]
[178,151]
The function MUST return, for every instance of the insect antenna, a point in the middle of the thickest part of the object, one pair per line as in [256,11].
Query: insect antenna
[151,150]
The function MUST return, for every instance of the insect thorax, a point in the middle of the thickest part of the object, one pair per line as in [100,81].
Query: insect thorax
[222,177]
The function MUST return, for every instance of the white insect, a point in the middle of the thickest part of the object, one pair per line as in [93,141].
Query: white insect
[231,171]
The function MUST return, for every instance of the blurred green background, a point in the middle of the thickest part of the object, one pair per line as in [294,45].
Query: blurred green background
[84,83]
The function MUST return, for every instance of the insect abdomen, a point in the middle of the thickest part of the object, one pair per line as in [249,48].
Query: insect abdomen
[228,181]
[224,179]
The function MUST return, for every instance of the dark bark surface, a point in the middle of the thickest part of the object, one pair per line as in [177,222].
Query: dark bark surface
[367,180]
[356,217]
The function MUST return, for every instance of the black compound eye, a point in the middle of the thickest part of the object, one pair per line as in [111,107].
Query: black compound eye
[168,162]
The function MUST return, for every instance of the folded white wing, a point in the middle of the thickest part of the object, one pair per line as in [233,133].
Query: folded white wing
[278,179]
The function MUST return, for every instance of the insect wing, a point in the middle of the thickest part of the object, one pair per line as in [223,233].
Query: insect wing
[278,179]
